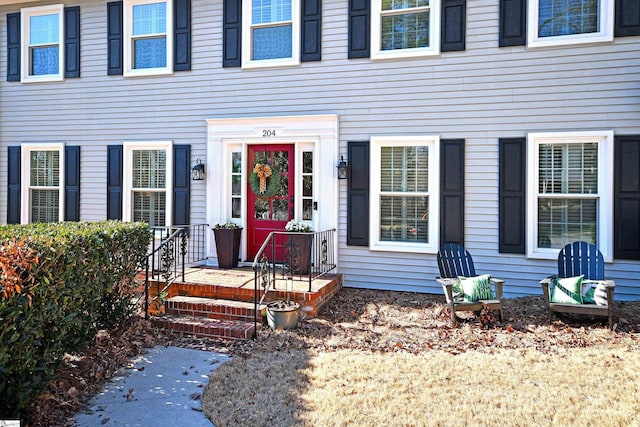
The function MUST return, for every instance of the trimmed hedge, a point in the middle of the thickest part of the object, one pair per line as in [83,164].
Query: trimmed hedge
[59,284]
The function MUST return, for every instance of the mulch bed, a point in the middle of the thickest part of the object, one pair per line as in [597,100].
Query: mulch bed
[372,320]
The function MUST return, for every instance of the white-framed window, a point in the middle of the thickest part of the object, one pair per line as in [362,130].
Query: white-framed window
[270,33]
[307,183]
[148,41]
[404,204]
[42,186]
[570,192]
[404,28]
[42,37]
[567,22]
[148,182]
[236,184]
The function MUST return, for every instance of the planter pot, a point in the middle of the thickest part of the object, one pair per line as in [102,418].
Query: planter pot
[282,314]
[227,246]
[299,255]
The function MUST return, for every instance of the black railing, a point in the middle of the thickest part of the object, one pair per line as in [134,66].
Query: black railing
[170,251]
[291,256]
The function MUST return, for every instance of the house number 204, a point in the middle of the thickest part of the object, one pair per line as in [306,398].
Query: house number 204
[266,133]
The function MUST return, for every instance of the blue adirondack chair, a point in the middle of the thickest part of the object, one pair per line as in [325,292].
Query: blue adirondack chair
[454,261]
[581,258]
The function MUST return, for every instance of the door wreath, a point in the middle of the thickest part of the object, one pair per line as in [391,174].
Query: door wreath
[264,180]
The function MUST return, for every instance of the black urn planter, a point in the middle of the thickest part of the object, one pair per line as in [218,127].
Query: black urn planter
[299,246]
[227,246]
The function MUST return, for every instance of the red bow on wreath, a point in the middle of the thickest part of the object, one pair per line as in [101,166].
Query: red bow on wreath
[263,172]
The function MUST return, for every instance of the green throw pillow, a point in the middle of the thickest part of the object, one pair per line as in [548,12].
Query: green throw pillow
[567,290]
[458,292]
[588,293]
[477,288]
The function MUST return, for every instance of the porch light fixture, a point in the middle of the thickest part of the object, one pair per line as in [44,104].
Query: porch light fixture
[197,171]
[343,168]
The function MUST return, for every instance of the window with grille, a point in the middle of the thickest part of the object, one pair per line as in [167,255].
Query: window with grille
[42,35]
[404,27]
[45,186]
[148,28]
[271,35]
[42,186]
[405,200]
[307,185]
[149,186]
[571,190]
[556,22]
[236,184]
[148,182]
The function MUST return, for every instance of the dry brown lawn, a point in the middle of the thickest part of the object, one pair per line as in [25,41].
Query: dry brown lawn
[391,358]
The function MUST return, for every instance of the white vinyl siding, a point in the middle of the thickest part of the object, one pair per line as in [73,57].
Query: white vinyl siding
[567,22]
[570,192]
[42,37]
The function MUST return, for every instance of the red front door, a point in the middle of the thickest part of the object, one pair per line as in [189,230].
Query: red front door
[270,203]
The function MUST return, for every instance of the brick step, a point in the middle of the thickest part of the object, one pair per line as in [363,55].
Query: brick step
[206,328]
[234,293]
[216,291]
[210,308]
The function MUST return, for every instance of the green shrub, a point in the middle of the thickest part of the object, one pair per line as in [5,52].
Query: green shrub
[59,283]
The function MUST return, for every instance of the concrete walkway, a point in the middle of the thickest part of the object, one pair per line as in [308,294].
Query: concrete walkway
[161,390]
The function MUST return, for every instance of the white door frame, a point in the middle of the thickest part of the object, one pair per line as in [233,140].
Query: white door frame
[228,135]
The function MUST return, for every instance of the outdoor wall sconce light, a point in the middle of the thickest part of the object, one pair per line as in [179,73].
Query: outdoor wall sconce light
[197,171]
[343,168]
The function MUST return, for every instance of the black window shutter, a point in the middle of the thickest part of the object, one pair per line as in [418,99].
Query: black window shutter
[454,16]
[627,18]
[232,33]
[311,44]
[72,41]
[13,196]
[626,210]
[114,182]
[358,194]
[512,195]
[181,183]
[181,35]
[513,23]
[114,38]
[452,191]
[13,47]
[72,183]
[359,28]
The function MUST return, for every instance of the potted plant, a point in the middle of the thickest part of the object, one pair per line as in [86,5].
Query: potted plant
[283,314]
[227,236]
[299,247]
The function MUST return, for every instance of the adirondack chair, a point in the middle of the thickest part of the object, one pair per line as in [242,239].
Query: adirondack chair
[454,261]
[575,259]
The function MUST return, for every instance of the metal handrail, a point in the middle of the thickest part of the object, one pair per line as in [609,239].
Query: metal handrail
[294,257]
[179,245]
